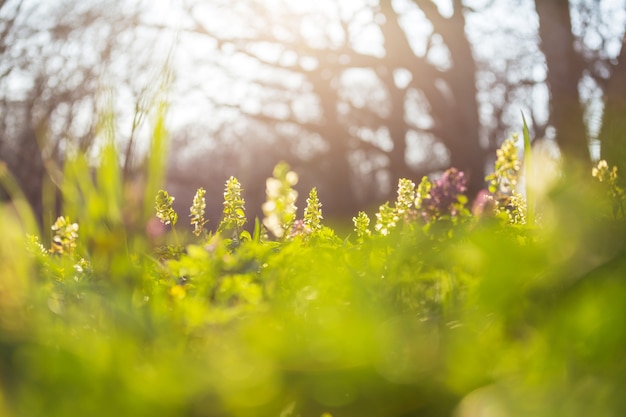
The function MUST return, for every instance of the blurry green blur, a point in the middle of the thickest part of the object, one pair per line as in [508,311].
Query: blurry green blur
[477,317]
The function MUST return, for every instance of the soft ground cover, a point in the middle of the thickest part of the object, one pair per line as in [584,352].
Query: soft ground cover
[512,307]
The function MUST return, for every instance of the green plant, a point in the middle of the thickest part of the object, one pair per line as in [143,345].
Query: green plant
[313,212]
[197,210]
[234,216]
[65,235]
[280,207]
[509,204]
[361,225]
[234,324]
[609,177]
[386,219]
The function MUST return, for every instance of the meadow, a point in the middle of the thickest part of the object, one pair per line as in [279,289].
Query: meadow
[513,306]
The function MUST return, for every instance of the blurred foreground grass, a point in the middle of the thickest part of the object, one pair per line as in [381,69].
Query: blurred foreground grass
[476,317]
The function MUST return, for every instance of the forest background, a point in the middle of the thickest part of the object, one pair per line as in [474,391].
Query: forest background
[352,94]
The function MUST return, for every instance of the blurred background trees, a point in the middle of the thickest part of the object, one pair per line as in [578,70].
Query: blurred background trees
[353,94]
[58,61]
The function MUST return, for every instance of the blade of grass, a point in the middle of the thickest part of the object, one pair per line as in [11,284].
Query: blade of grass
[157,158]
[18,199]
[108,175]
[530,198]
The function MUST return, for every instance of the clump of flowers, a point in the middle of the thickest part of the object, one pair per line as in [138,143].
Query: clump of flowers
[507,202]
[514,207]
[64,242]
[167,215]
[164,210]
[313,212]
[507,167]
[361,225]
[298,228]
[406,197]
[65,236]
[386,219]
[197,210]
[445,197]
[234,215]
[609,176]
[280,208]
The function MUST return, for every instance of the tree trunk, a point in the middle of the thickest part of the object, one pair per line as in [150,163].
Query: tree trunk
[463,137]
[337,193]
[613,133]
[564,73]
[456,115]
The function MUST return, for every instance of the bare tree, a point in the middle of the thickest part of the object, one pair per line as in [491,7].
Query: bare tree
[565,70]
[582,42]
[383,106]
[55,59]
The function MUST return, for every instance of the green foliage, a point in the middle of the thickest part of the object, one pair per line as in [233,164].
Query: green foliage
[528,169]
[9,185]
[437,313]
[158,106]
[422,192]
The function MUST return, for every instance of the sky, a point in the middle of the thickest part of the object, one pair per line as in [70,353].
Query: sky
[233,86]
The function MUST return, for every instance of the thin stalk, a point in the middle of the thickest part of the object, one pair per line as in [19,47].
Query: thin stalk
[528,166]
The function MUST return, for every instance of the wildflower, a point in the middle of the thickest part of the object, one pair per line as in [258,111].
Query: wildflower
[279,208]
[507,166]
[406,196]
[164,209]
[603,174]
[361,225]
[234,215]
[609,177]
[65,236]
[386,219]
[299,228]
[197,212]
[313,212]
[82,265]
[446,196]
[514,207]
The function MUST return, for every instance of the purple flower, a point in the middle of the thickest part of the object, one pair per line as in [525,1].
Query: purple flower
[298,228]
[446,195]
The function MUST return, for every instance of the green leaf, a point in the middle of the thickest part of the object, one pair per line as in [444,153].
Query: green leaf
[245,236]
[530,200]
[256,235]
